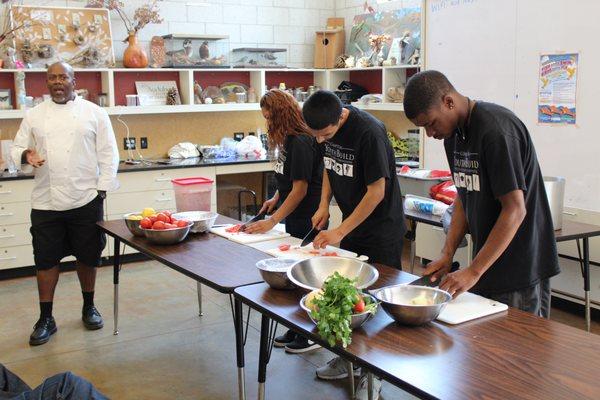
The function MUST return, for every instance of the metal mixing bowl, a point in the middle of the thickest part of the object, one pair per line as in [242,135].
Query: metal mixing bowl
[356,320]
[311,273]
[274,272]
[397,302]
[133,225]
[167,236]
[203,220]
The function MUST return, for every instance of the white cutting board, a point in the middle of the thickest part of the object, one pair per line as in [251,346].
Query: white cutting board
[246,238]
[469,306]
[300,253]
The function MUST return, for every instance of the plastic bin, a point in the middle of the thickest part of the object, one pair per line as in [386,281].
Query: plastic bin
[417,186]
[192,194]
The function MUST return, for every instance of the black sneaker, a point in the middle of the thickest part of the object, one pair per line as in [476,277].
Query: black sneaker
[42,330]
[91,318]
[301,345]
[285,339]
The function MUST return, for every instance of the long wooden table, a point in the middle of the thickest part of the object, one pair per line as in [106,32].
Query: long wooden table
[509,355]
[208,259]
[571,230]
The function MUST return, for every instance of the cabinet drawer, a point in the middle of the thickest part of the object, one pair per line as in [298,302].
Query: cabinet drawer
[122,203]
[430,241]
[15,213]
[15,235]
[16,256]
[16,191]
[159,179]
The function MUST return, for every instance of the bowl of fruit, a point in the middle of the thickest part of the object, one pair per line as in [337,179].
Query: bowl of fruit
[161,228]
[132,220]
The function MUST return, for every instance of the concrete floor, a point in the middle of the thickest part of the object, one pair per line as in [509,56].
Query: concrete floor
[164,350]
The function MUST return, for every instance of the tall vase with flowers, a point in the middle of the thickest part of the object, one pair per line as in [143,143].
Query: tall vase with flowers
[134,55]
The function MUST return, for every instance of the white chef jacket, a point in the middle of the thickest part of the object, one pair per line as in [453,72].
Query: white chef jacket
[78,143]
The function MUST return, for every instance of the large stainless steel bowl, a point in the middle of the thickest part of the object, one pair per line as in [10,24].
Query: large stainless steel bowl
[203,220]
[356,320]
[274,272]
[133,225]
[167,236]
[311,273]
[404,303]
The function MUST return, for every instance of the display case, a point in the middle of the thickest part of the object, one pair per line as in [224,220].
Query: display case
[259,57]
[197,51]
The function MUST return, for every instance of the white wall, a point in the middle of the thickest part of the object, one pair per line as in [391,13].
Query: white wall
[289,24]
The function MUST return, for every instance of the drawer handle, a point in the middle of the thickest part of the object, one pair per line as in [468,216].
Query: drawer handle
[6,214]
[8,258]
[163,200]
[162,179]
[7,236]
[6,192]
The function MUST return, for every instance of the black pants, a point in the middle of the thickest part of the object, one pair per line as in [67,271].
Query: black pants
[534,299]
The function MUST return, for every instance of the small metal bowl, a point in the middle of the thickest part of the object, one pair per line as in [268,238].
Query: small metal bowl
[356,320]
[133,225]
[274,272]
[397,301]
[311,273]
[167,236]
[203,220]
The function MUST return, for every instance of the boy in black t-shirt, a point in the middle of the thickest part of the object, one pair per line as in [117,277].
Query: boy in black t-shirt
[501,196]
[361,174]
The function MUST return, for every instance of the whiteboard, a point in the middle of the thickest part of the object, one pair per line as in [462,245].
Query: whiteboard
[490,50]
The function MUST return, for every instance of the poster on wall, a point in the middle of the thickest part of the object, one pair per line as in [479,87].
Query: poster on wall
[557,88]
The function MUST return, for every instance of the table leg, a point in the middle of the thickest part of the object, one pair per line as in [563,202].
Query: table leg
[199,285]
[370,385]
[413,245]
[350,368]
[238,322]
[263,357]
[586,282]
[116,268]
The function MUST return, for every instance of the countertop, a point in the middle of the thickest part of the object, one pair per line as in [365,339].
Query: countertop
[162,163]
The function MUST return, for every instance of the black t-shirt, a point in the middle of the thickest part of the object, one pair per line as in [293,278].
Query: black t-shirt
[300,160]
[358,155]
[495,157]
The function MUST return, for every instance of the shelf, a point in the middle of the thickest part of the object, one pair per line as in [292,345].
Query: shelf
[380,106]
[12,114]
[186,108]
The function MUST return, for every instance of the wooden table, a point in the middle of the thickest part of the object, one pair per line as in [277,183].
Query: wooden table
[208,259]
[571,230]
[509,355]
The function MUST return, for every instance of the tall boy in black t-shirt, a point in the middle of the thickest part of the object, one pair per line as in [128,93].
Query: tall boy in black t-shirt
[501,196]
[361,175]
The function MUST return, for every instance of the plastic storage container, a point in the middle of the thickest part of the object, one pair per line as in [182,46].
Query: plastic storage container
[417,186]
[192,194]
[258,57]
[197,51]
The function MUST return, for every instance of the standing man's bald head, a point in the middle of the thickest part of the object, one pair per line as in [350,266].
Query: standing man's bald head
[60,80]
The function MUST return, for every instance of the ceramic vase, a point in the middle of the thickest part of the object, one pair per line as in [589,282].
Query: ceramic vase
[134,55]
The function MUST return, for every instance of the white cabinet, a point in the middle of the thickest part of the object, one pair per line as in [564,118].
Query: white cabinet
[430,241]
[15,239]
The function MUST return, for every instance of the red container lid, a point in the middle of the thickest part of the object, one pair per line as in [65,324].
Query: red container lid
[192,181]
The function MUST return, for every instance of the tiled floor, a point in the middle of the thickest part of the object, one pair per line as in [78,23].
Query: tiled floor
[164,350]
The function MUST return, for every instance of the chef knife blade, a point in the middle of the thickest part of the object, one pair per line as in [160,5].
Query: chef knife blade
[425,280]
[258,217]
[310,236]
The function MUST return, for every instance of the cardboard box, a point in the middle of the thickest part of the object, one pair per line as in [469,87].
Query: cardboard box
[329,43]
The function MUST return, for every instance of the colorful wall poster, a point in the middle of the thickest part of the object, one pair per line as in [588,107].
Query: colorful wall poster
[557,88]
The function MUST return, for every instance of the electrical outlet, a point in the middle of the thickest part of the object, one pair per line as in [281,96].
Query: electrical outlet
[129,145]
[143,143]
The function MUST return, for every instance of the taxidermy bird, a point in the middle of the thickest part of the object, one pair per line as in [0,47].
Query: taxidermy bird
[182,56]
[204,53]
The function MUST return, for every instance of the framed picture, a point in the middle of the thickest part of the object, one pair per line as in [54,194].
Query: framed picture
[5,99]
[153,93]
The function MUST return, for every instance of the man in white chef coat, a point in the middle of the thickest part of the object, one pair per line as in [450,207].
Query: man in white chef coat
[70,146]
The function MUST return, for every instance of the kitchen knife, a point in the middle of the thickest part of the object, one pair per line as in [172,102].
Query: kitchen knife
[425,280]
[310,236]
[258,217]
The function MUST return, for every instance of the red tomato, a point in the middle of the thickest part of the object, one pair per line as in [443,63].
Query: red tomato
[167,213]
[146,223]
[158,225]
[174,221]
[182,223]
[164,218]
[152,218]
[284,247]
[170,226]
[360,305]
[234,228]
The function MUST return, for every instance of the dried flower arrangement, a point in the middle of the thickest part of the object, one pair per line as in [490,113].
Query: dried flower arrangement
[7,30]
[142,16]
